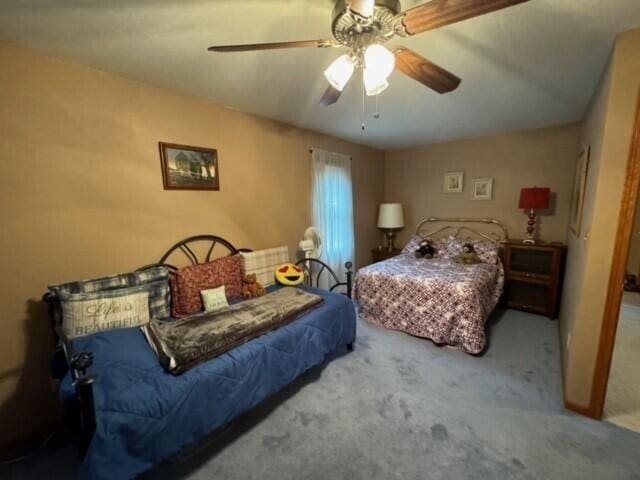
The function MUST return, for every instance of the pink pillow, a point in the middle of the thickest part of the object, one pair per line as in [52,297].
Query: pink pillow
[188,282]
[412,244]
[447,247]
[487,251]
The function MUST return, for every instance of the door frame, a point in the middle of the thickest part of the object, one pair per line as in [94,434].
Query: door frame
[630,195]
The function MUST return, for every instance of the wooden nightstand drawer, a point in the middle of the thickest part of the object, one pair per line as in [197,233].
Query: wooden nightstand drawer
[532,277]
[527,295]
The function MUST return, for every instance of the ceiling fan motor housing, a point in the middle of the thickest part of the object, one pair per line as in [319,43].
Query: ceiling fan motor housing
[357,33]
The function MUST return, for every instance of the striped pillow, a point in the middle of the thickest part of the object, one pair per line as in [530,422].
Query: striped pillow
[264,263]
[156,280]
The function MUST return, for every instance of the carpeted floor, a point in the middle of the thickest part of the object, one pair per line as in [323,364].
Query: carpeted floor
[622,405]
[401,408]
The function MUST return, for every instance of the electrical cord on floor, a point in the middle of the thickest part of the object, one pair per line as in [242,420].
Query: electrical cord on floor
[33,451]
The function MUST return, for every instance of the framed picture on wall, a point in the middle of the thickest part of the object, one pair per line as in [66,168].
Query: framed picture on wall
[453,182]
[189,168]
[483,188]
[579,186]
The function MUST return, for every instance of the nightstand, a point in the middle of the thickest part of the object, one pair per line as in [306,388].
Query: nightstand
[378,255]
[534,275]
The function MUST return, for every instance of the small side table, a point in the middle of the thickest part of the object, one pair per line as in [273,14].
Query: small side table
[380,254]
[534,276]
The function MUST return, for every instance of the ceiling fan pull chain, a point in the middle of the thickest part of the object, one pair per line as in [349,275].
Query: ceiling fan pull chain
[376,115]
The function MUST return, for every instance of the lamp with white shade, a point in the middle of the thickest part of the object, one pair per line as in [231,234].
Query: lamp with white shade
[390,219]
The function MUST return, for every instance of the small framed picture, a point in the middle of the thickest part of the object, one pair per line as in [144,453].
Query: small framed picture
[483,188]
[189,168]
[453,182]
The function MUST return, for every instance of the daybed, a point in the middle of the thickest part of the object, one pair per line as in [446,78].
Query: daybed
[438,298]
[134,414]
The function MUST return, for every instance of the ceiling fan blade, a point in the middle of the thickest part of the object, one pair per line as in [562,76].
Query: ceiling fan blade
[425,72]
[272,46]
[330,97]
[438,13]
[364,8]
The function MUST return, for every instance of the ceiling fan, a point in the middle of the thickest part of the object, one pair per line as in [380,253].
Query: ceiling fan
[363,26]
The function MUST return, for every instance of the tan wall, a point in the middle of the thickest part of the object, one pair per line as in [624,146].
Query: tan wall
[608,129]
[81,195]
[544,157]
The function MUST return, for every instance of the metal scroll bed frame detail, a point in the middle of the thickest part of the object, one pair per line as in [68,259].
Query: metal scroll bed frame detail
[312,267]
[498,238]
[79,363]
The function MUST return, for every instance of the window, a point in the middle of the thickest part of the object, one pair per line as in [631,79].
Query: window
[333,209]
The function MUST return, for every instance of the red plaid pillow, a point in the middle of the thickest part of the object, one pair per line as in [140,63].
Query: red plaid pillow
[188,282]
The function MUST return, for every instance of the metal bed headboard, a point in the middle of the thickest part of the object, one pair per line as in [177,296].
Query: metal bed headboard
[313,268]
[187,248]
[422,230]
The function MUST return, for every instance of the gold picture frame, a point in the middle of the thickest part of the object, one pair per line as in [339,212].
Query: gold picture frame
[579,187]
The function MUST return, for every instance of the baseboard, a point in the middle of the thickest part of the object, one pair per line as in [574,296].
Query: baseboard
[586,411]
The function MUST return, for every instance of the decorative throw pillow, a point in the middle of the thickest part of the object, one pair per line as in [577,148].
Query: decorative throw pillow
[214,299]
[87,313]
[156,279]
[264,262]
[289,274]
[447,247]
[487,251]
[188,282]
[412,245]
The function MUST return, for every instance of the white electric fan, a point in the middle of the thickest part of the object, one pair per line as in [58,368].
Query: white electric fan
[311,243]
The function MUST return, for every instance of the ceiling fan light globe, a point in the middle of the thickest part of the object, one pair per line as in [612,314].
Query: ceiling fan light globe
[379,60]
[340,72]
[374,84]
[364,8]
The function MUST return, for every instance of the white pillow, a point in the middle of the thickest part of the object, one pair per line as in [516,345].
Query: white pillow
[214,299]
[87,313]
[264,262]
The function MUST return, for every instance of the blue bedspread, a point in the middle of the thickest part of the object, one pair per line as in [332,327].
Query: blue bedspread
[145,415]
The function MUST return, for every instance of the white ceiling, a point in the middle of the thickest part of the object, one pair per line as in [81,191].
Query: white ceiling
[532,65]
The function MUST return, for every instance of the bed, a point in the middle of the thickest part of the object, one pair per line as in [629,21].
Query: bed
[438,299]
[133,414]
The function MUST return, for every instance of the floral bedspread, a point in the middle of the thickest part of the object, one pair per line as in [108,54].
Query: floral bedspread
[438,299]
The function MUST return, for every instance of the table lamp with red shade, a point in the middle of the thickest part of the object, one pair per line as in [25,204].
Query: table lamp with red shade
[533,199]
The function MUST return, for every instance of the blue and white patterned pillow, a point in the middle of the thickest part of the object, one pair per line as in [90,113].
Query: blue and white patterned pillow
[156,279]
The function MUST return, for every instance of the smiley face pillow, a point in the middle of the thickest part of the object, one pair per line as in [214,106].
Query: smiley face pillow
[289,274]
